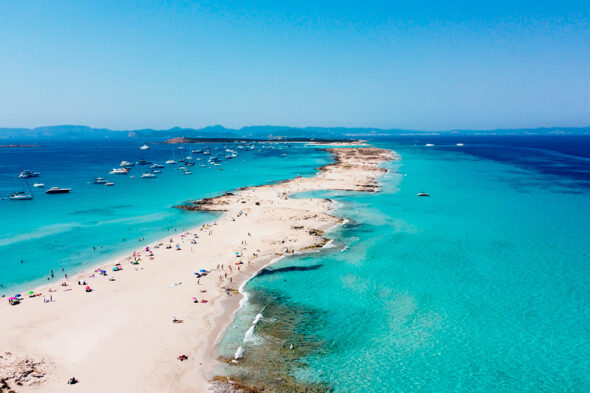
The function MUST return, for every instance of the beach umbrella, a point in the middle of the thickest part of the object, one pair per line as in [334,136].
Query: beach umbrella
[202,270]
[18,295]
[30,293]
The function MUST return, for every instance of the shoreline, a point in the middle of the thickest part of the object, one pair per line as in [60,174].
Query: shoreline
[69,337]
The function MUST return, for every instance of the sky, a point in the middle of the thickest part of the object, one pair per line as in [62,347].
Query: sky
[425,65]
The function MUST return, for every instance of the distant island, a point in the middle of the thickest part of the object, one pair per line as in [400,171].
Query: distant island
[264,132]
[20,145]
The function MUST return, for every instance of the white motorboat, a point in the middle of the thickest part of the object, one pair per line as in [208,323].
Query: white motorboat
[125,164]
[58,190]
[148,175]
[27,174]
[144,147]
[109,183]
[38,185]
[157,166]
[170,162]
[429,144]
[119,171]
[460,144]
[423,194]
[99,180]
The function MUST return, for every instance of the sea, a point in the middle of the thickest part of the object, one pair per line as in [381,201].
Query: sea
[484,286]
[93,223]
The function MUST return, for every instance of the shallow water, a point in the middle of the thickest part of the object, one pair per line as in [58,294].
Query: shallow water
[483,287]
[71,231]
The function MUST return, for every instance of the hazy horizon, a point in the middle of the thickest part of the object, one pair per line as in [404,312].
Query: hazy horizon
[282,126]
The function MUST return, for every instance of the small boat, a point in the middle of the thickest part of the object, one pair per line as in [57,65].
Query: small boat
[181,168]
[38,185]
[188,173]
[119,171]
[99,180]
[148,175]
[157,166]
[170,162]
[144,147]
[125,164]
[58,190]
[189,163]
[20,196]
[197,151]
[429,144]
[423,194]
[109,183]
[156,171]
[460,144]
[27,174]
[143,162]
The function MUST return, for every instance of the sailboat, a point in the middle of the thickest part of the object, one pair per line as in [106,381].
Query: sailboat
[171,162]
[21,195]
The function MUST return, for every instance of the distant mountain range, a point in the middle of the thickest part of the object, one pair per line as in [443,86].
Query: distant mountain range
[258,132]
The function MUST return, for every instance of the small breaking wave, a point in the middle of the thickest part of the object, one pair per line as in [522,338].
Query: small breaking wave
[239,353]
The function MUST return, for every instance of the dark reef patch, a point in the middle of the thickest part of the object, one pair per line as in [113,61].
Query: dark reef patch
[286,331]
[268,271]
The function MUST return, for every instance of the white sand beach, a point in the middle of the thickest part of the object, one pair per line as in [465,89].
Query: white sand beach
[120,336]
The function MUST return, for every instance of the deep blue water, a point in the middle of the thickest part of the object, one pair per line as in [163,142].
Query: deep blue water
[483,287]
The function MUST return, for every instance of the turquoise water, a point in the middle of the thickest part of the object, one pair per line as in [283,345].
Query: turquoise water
[483,287]
[94,222]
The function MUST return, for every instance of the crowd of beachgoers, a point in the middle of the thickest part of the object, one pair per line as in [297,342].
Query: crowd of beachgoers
[156,314]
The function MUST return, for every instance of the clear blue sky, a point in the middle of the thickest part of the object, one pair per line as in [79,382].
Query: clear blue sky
[390,64]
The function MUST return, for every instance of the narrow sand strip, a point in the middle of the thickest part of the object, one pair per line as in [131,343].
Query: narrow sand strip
[120,337]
